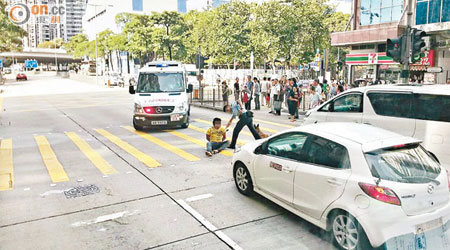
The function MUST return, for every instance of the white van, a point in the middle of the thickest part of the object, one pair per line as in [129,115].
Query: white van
[161,96]
[421,111]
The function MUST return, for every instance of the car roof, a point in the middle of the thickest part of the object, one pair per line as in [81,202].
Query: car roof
[369,137]
[442,89]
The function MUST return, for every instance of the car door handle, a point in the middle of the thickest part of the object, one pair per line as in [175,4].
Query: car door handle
[287,169]
[334,182]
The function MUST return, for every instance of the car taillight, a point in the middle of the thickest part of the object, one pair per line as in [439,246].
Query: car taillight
[383,194]
[448,178]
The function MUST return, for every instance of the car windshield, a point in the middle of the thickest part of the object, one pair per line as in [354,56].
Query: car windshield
[160,82]
[407,164]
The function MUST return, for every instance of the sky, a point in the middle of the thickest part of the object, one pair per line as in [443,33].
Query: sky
[341,5]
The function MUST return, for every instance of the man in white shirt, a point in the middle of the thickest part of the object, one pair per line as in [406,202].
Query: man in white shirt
[263,91]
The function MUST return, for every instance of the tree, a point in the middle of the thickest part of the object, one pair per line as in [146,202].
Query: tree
[51,44]
[138,32]
[74,45]
[173,34]
[11,35]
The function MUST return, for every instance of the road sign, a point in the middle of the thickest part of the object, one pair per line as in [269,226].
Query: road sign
[1,63]
[31,64]
[434,70]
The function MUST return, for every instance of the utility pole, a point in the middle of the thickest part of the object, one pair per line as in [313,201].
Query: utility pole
[408,55]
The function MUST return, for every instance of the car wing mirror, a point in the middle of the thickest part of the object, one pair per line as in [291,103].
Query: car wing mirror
[190,88]
[131,90]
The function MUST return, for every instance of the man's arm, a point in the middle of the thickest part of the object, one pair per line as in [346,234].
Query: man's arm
[208,138]
[229,123]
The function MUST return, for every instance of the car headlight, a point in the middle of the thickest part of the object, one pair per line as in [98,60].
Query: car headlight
[182,107]
[138,109]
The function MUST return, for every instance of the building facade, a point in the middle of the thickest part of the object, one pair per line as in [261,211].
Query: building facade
[374,21]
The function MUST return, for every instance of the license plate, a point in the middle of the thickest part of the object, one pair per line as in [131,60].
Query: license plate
[159,122]
[429,225]
[175,117]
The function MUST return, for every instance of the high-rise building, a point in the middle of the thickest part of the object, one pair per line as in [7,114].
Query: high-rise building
[217,3]
[182,6]
[73,23]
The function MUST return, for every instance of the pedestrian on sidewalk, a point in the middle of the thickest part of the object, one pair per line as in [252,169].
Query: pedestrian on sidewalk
[245,97]
[257,91]
[226,92]
[292,99]
[249,85]
[277,95]
[315,98]
[264,91]
[216,137]
[245,119]
[237,94]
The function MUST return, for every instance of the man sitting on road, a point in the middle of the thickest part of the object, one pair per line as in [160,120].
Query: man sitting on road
[216,136]
[245,119]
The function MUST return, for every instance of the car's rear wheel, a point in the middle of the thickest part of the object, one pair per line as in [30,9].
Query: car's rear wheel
[242,179]
[348,233]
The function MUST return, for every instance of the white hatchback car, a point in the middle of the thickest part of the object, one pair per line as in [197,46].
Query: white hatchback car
[420,111]
[366,185]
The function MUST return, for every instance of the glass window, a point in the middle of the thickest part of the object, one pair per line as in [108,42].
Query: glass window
[446,11]
[397,12]
[407,164]
[391,104]
[324,152]
[375,16]
[348,103]
[160,82]
[386,3]
[421,12]
[397,2]
[325,108]
[287,145]
[137,5]
[434,13]
[386,15]
[432,107]
[365,17]
[365,5]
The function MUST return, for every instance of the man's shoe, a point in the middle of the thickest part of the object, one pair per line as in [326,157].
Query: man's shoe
[231,147]
[208,153]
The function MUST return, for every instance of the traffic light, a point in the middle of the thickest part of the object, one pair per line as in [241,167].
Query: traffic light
[340,64]
[417,43]
[394,48]
[200,61]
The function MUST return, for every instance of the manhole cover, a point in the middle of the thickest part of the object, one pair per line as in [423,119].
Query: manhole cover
[81,191]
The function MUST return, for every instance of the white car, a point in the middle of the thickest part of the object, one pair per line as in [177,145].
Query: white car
[366,185]
[420,111]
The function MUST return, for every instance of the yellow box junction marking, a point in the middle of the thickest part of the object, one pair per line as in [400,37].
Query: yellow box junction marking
[91,154]
[147,160]
[6,165]
[274,123]
[203,131]
[164,144]
[196,141]
[54,167]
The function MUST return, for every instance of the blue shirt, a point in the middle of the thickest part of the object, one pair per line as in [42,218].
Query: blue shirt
[235,109]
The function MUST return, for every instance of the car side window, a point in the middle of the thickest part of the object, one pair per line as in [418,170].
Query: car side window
[348,103]
[325,108]
[287,146]
[392,104]
[321,151]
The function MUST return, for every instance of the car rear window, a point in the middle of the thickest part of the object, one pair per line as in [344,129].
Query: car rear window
[404,163]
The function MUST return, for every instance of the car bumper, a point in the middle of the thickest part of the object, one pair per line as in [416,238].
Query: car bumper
[157,120]
[390,226]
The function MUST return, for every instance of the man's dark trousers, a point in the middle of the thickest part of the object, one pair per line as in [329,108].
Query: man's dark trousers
[246,119]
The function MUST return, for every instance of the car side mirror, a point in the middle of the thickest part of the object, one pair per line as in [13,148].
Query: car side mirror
[258,150]
[131,90]
[190,88]
[331,107]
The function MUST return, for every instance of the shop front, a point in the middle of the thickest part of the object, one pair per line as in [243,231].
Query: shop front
[418,71]
[371,67]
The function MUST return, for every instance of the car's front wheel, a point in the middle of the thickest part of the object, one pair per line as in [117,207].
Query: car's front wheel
[242,179]
[348,233]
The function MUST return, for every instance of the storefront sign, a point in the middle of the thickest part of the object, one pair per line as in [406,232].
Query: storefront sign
[434,70]
[427,60]
[368,59]
[442,44]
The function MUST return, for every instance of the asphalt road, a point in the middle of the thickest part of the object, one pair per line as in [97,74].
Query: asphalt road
[82,178]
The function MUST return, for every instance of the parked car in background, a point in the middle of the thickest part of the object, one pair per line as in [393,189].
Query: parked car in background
[7,70]
[420,111]
[364,184]
[21,76]
[113,79]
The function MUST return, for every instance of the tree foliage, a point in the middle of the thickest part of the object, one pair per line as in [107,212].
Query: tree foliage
[10,39]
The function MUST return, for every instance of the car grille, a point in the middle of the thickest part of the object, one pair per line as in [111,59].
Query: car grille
[159,109]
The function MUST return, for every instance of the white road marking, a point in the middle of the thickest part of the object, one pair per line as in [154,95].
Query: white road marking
[199,197]
[52,192]
[104,218]
[209,225]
